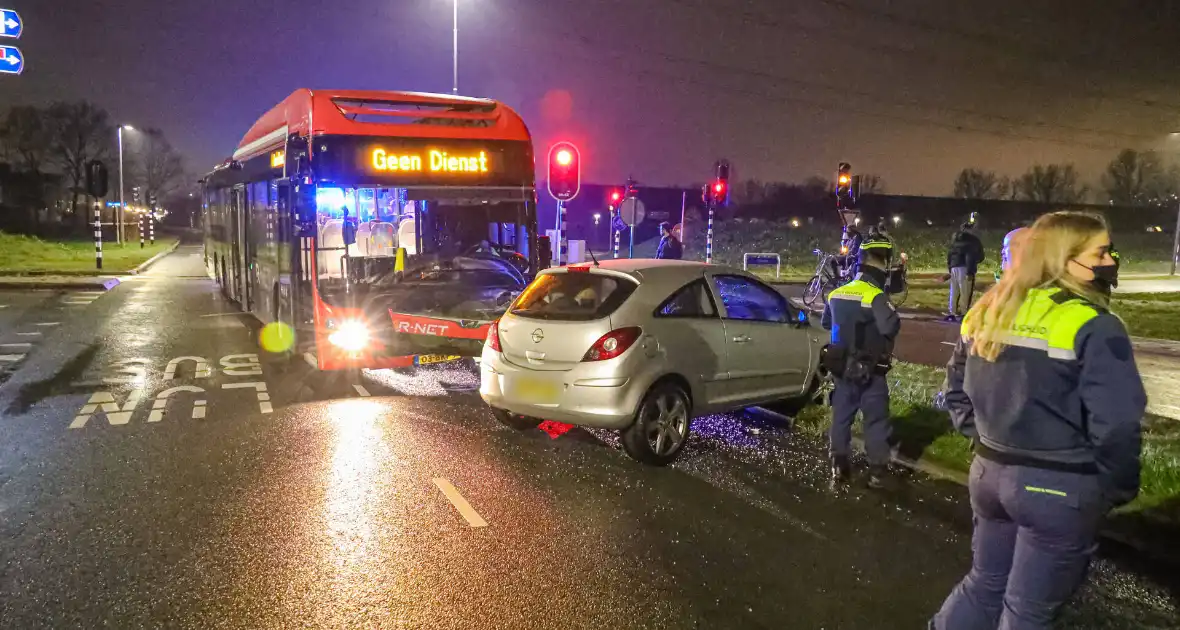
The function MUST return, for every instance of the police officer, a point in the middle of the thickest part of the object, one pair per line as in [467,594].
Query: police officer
[864,325]
[1044,382]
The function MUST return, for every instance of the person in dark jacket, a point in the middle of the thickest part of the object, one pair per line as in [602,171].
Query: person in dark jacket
[864,325]
[670,248]
[1043,380]
[962,261]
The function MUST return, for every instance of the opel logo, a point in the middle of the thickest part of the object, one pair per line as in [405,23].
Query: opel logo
[538,336]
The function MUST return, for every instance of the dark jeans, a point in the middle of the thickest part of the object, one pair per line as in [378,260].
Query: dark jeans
[1035,531]
[872,400]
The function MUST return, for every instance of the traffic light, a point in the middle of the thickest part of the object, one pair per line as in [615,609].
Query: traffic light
[96,179]
[565,171]
[614,197]
[718,191]
[844,193]
[632,189]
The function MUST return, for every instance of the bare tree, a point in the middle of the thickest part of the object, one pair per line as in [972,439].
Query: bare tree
[155,166]
[25,135]
[871,184]
[1055,183]
[974,183]
[1132,177]
[80,132]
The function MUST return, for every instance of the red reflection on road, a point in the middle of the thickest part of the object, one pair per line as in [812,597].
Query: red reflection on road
[555,429]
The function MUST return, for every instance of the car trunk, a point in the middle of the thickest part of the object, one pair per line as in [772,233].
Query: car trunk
[547,345]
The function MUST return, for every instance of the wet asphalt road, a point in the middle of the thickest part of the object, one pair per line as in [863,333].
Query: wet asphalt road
[294,501]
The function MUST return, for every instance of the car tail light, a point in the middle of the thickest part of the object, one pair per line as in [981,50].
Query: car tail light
[613,344]
[493,340]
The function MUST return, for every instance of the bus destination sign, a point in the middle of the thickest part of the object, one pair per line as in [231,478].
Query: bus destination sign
[429,160]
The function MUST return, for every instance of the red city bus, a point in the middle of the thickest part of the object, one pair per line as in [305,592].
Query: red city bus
[379,226]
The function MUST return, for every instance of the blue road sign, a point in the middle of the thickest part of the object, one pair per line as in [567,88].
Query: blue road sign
[10,23]
[11,60]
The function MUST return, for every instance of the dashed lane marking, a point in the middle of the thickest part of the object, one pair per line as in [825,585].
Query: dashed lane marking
[28,334]
[16,346]
[465,510]
[360,389]
[11,358]
[47,324]
[220,314]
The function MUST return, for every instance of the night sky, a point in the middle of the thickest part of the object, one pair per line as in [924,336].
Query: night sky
[913,90]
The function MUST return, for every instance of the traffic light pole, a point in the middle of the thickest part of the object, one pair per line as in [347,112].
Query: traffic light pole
[709,237]
[557,247]
[617,235]
[97,234]
[1176,240]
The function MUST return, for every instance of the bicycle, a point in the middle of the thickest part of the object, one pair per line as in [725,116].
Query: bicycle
[827,277]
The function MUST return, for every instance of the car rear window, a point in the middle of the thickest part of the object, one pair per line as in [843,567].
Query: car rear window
[572,296]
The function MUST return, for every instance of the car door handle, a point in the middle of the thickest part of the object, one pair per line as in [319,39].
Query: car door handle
[741,339]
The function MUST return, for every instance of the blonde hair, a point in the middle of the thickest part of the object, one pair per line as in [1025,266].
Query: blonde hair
[1054,240]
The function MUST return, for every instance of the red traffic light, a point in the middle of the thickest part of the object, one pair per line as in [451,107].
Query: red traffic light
[615,196]
[719,187]
[565,171]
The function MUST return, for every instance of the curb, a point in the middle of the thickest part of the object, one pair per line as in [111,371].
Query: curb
[105,284]
[153,260]
[1114,535]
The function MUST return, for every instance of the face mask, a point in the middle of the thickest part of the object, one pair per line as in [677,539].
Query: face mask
[1105,276]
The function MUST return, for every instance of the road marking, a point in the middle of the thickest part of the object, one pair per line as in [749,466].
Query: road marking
[307,356]
[465,510]
[11,358]
[47,324]
[220,314]
[17,346]
[29,334]
[360,389]
[947,343]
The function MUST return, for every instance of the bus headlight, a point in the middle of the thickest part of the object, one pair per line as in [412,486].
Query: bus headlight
[351,336]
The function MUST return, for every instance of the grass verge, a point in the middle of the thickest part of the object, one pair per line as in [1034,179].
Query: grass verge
[27,254]
[925,434]
[1145,314]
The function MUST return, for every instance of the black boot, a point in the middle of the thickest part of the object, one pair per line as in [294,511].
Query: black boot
[841,470]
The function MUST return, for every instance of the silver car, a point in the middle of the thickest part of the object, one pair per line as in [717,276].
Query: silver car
[643,346]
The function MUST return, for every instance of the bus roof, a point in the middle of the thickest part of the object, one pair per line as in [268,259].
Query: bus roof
[381,113]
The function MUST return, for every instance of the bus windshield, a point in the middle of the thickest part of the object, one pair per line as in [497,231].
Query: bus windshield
[361,229]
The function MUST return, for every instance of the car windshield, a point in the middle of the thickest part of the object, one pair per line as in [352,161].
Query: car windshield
[572,296]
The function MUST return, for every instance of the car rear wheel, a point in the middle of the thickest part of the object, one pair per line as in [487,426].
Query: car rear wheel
[661,426]
[515,420]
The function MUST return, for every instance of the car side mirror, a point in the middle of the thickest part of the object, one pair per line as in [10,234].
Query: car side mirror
[802,319]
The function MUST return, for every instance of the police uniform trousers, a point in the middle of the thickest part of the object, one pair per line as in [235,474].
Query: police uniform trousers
[1035,532]
[872,400]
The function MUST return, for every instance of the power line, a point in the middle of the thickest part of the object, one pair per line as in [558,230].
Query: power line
[766,21]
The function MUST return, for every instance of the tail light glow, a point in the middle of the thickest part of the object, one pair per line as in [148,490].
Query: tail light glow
[493,340]
[613,344]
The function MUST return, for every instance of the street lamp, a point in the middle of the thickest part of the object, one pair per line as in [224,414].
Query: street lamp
[119,232]
[455,71]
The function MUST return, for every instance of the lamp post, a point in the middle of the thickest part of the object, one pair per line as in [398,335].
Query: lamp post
[597,218]
[455,55]
[122,203]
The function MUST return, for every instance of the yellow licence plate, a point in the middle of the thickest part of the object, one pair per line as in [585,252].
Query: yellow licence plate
[428,359]
[536,391]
